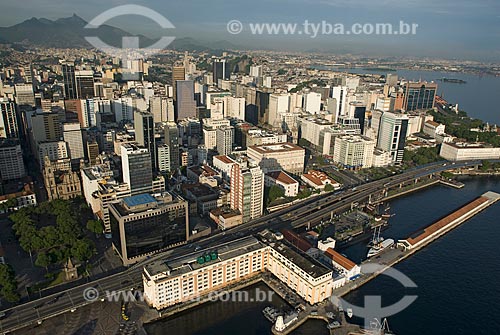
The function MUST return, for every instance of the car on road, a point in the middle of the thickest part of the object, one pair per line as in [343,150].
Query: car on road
[2,315]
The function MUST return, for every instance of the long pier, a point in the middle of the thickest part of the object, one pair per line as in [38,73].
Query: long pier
[420,239]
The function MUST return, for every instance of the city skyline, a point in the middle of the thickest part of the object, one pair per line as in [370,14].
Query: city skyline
[445,29]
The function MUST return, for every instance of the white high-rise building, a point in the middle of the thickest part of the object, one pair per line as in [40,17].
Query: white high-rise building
[123,108]
[163,158]
[354,152]
[136,168]
[278,106]
[225,140]
[247,190]
[235,108]
[256,71]
[312,102]
[392,134]
[210,127]
[72,135]
[11,160]
[54,150]
[339,105]
[162,108]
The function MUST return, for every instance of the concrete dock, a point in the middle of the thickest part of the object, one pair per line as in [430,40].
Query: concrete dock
[420,239]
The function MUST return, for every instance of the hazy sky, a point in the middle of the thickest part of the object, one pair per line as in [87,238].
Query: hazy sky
[464,29]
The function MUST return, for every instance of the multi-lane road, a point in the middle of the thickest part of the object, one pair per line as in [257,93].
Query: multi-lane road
[309,211]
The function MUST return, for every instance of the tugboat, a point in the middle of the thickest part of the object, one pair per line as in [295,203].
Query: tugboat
[270,313]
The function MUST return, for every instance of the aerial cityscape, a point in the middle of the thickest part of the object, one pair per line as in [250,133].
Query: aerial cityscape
[249,173]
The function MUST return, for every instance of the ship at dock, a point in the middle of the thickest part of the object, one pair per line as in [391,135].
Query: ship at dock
[378,244]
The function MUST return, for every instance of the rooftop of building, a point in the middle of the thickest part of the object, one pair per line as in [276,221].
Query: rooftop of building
[303,261]
[225,159]
[279,147]
[282,176]
[198,190]
[178,266]
[467,145]
[318,178]
[344,262]
[8,142]
[423,233]
[139,200]
[143,202]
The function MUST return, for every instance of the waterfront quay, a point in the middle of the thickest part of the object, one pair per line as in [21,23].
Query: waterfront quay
[420,239]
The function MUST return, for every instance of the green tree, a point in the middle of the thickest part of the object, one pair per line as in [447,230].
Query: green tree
[43,260]
[95,226]
[329,188]
[82,249]
[275,192]
[485,165]
[8,283]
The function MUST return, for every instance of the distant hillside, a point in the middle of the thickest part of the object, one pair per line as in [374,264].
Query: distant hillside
[70,33]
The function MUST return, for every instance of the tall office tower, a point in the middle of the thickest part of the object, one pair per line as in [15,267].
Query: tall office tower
[185,103]
[172,140]
[24,94]
[225,140]
[256,71]
[163,154]
[11,160]
[86,111]
[68,71]
[123,108]
[234,108]
[84,82]
[340,106]
[392,134]
[145,133]
[8,119]
[312,102]
[162,108]
[262,105]
[92,152]
[278,105]
[359,113]
[46,127]
[247,191]
[419,95]
[178,73]
[353,152]
[220,70]
[136,168]
[72,135]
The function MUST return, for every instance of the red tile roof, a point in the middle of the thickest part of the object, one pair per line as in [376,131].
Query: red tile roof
[344,262]
[429,230]
[296,240]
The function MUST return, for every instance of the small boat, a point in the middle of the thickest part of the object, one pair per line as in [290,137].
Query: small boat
[349,312]
[330,315]
[270,313]
[333,325]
